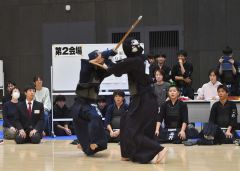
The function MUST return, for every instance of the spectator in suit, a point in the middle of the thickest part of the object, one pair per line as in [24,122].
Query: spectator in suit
[29,118]
[9,114]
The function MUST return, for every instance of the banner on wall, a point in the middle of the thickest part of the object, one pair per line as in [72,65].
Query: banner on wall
[66,64]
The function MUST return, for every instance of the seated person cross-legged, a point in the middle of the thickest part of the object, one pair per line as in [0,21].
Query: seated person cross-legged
[60,110]
[174,113]
[29,118]
[113,116]
[222,121]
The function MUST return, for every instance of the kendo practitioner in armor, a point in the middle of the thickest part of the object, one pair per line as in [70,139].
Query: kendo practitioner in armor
[174,112]
[86,116]
[135,144]
[222,121]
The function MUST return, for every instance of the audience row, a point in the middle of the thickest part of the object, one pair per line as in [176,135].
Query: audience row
[228,71]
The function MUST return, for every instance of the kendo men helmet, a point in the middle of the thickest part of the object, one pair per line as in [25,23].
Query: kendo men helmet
[132,47]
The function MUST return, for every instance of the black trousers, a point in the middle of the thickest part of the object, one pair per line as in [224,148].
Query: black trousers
[188,91]
[35,139]
[171,135]
[88,127]
[136,143]
[220,137]
[61,132]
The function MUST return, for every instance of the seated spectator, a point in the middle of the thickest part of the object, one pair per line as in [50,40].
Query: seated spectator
[9,114]
[209,90]
[150,65]
[181,75]
[222,121]
[8,94]
[102,105]
[113,115]
[60,110]
[42,95]
[175,115]
[29,118]
[160,64]
[151,59]
[228,71]
[160,87]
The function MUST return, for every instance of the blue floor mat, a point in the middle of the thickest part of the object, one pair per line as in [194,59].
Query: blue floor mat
[72,137]
[1,135]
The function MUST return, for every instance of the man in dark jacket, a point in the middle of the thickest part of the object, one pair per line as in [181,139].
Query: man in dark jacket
[29,118]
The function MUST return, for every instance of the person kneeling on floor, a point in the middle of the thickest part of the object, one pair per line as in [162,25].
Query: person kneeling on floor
[174,112]
[222,122]
[113,116]
[29,118]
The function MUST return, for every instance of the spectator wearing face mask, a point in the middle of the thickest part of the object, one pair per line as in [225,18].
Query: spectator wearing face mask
[8,94]
[9,113]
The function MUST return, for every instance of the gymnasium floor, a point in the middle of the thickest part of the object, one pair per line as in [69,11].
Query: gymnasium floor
[60,155]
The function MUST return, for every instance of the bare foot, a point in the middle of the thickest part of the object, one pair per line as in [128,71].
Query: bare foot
[154,160]
[93,146]
[162,155]
[79,146]
[125,159]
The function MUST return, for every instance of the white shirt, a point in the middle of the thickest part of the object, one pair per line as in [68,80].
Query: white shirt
[208,91]
[43,97]
[28,104]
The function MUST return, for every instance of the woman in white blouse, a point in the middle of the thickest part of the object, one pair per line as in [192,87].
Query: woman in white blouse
[209,90]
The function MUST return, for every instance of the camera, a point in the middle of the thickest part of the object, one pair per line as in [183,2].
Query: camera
[226,65]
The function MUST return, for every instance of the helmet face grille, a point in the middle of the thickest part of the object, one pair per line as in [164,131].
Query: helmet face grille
[131,47]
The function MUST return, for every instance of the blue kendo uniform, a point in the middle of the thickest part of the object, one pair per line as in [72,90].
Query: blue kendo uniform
[86,117]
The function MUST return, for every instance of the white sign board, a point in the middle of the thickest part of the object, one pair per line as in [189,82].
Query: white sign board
[66,64]
[1,74]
